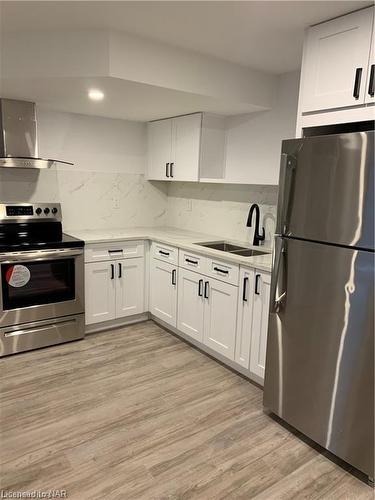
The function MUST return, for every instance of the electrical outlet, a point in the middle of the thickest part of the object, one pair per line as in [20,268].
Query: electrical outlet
[116,203]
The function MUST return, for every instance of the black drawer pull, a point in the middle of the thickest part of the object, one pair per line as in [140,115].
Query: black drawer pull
[112,271]
[167,170]
[116,251]
[200,288]
[174,274]
[164,253]
[221,270]
[257,276]
[371,86]
[357,83]
[244,292]
[206,285]
[191,261]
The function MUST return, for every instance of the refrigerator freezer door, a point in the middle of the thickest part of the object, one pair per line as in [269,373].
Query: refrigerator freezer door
[320,350]
[327,189]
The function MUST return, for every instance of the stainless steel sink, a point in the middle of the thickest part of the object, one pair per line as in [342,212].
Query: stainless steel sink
[248,252]
[221,245]
[224,246]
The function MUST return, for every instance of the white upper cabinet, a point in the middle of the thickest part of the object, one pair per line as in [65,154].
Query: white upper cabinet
[336,62]
[159,135]
[370,81]
[186,148]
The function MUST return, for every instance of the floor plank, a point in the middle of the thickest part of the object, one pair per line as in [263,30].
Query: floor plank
[137,413]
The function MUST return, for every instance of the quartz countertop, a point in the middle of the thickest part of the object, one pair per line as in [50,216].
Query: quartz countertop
[186,240]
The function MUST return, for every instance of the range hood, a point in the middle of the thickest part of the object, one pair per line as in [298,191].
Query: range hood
[18,136]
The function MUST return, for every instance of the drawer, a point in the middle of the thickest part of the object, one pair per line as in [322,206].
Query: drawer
[223,271]
[164,252]
[97,252]
[192,261]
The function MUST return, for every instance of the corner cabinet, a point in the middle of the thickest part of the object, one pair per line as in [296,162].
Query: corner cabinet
[336,71]
[163,291]
[186,148]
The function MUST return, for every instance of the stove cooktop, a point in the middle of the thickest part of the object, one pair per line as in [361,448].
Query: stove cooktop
[65,241]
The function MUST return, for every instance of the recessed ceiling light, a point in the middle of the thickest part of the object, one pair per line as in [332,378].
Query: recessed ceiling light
[96,95]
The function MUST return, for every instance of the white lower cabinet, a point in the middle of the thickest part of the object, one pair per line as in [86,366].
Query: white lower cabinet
[252,321]
[100,292]
[262,286]
[207,311]
[244,317]
[163,291]
[190,304]
[114,289]
[129,287]
[220,317]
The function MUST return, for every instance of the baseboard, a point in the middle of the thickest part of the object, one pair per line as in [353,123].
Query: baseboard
[116,323]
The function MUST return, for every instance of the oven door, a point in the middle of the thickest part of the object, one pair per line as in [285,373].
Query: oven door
[39,285]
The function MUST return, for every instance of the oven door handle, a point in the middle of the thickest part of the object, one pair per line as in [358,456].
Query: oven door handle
[39,256]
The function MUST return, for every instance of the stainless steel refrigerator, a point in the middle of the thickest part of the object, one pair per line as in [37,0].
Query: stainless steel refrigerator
[320,348]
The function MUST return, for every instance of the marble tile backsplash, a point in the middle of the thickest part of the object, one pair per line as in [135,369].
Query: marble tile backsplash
[221,209]
[90,200]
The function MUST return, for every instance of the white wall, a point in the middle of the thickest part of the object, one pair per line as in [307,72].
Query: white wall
[253,143]
[106,185]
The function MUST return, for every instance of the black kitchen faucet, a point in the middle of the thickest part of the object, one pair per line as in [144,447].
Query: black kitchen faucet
[257,236]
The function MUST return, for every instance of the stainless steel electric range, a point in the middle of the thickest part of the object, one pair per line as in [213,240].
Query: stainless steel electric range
[42,279]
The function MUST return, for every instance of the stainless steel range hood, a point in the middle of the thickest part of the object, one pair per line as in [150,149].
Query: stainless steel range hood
[18,136]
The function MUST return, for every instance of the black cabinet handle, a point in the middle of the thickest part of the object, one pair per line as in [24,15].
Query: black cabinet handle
[200,288]
[357,83]
[116,251]
[171,170]
[167,169]
[112,271]
[221,270]
[191,261]
[244,292]
[119,270]
[371,89]
[174,274]
[206,285]
[164,253]
[257,276]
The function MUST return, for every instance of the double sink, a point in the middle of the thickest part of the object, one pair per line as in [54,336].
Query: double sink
[224,246]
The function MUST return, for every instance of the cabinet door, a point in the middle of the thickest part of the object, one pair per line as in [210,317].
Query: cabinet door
[159,141]
[261,299]
[100,292]
[333,52]
[244,317]
[186,147]
[370,81]
[129,287]
[220,314]
[190,304]
[163,291]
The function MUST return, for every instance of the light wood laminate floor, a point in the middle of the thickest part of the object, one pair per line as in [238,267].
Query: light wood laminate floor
[137,413]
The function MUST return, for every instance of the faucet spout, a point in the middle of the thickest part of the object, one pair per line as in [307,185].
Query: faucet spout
[258,237]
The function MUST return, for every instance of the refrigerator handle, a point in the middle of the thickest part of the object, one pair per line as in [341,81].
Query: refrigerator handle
[288,166]
[277,295]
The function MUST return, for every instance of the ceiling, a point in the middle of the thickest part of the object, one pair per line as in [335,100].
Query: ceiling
[263,35]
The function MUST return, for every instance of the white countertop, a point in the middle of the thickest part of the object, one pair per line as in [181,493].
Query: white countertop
[180,238]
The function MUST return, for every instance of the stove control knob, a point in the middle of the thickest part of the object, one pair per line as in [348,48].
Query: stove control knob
[46,211]
[54,210]
[38,211]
